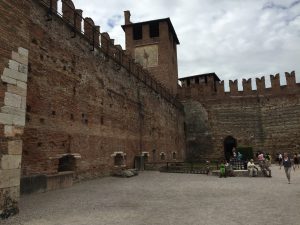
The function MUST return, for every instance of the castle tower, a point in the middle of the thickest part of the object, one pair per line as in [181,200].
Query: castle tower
[153,44]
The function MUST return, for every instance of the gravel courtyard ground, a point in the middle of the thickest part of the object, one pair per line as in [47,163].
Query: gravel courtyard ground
[162,198]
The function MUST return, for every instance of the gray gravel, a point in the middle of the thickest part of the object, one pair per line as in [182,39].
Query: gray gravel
[161,198]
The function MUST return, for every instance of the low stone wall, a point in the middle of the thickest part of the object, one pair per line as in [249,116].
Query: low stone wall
[60,180]
[33,184]
[43,183]
[238,173]
[154,166]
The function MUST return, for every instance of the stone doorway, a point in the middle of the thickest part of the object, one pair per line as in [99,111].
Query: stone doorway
[229,144]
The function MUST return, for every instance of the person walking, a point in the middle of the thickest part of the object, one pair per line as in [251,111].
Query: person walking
[280,160]
[287,164]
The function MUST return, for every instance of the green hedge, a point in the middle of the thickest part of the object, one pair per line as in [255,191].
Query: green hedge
[247,152]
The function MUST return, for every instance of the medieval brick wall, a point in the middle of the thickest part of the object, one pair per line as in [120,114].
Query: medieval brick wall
[167,69]
[85,103]
[14,38]
[266,119]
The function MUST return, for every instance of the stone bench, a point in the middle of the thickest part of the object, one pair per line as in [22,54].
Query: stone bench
[60,180]
[43,183]
[238,173]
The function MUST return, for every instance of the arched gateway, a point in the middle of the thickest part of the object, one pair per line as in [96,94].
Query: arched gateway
[229,144]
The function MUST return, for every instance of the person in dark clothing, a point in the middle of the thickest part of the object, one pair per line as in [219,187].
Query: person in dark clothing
[287,164]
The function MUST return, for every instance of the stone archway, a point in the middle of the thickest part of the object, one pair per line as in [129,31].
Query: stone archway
[229,143]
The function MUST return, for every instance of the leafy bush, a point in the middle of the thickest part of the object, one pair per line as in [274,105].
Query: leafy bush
[247,152]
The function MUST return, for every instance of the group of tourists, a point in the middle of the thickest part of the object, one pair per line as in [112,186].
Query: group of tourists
[264,162]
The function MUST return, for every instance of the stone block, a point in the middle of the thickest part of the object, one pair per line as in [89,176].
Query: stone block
[16,90]
[9,162]
[23,69]
[20,58]
[19,120]
[12,100]
[12,131]
[15,74]
[13,110]
[6,118]
[8,80]
[23,103]
[22,84]
[12,64]
[23,51]
[15,147]
[10,119]
[10,178]
[8,130]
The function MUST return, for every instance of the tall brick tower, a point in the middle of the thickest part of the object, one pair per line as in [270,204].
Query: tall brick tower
[153,44]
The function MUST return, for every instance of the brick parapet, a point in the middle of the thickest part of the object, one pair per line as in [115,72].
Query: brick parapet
[114,52]
[204,90]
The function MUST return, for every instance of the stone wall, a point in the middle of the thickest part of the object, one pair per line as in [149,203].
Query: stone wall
[13,69]
[266,119]
[82,101]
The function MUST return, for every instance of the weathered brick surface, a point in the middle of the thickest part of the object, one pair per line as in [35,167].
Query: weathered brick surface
[167,69]
[266,119]
[14,39]
[79,101]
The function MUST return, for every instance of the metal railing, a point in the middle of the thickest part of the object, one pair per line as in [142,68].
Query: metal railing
[199,167]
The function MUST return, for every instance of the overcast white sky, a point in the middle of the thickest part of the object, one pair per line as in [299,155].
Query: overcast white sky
[233,38]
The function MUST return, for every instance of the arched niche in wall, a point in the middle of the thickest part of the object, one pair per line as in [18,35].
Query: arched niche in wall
[229,143]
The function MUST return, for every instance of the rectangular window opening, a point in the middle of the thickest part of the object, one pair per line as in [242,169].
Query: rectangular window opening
[188,82]
[137,32]
[154,29]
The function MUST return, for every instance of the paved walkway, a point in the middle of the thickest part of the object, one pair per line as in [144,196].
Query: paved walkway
[167,199]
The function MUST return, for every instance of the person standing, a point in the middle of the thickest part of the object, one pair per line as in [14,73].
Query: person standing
[287,164]
[222,170]
[280,160]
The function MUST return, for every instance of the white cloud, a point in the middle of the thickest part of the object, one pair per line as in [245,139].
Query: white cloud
[234,38]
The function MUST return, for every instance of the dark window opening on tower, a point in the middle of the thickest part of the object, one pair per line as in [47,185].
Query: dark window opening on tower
[197,80]
[137,32]
[188,83]
[154,29]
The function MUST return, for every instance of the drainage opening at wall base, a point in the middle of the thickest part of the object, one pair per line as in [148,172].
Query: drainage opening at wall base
[67,163]
[174,155]
[119,158]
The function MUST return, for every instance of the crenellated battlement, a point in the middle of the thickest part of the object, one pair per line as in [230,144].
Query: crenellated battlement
[103,43]
[208,86]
